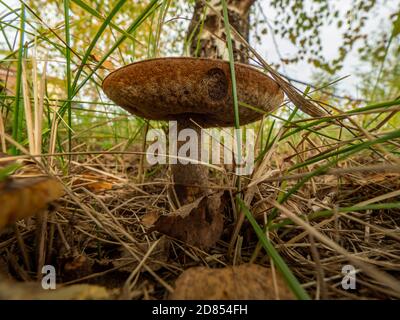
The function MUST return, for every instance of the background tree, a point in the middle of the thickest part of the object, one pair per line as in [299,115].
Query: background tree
[301,22]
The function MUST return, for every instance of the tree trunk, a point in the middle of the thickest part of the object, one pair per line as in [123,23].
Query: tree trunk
[210,43]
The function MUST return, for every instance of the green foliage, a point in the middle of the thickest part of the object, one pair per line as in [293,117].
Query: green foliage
[301,22]
[287,274]
[85,38]
[8,170]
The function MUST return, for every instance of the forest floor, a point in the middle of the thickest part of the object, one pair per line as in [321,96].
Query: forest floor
[99,232]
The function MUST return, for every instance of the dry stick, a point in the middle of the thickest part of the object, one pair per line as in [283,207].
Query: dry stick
[302,235]
[248,197]
[378,146]
[101,172]
[40,106]
[28,110]
[273,269]
[338,144]
[110,175]
[35,84]
[17,267]
[62,236]
[392,110]
[129,284]
[94,275]
[318,268]
[38,101]
[380,198]
[57,154]
[387,118]
[41,225]
[373,272]
[307,168]
[88,161]
[111,232]
[394,234]
[22,247]
[334,172]
[37,130]
[2,133]
[53,137]
[335,277]
[141,163]
[50,240]
[96,125]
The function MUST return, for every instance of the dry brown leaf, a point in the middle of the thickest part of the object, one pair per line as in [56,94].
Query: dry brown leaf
[21,198]
[149,218]
[99,186]
[105,65]
[244,282]
[79,292]
[93,183]
[75,267]
[199,223]
[11,290]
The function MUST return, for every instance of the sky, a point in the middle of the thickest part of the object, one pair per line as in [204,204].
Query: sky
[331,40]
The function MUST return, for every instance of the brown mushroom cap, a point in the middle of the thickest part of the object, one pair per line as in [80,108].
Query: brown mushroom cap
[196,88]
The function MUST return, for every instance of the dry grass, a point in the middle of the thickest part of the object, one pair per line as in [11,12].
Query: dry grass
[98,233]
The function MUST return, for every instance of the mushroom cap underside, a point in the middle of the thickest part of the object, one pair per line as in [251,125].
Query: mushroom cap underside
[192,88]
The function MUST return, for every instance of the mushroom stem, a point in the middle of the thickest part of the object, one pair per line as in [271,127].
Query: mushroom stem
[190,180]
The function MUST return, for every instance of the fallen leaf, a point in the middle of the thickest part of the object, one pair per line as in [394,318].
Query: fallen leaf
[75,267]
[11,290]
[21,198]
[199,223]
[93,183]
[244,282]
[149,218]
[99,186]
[105,65]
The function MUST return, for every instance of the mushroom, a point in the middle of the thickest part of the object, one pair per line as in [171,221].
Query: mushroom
[241,282]
[21,198]
[194,92]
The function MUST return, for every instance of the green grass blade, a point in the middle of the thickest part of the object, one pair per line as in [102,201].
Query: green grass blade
[136,23]
[329,213]
[324,168]
[234,89]
[68,71]
[97,36]
[287,274]
[349,150]
[231,63]
[17,121]
[8,170]
[96,14]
